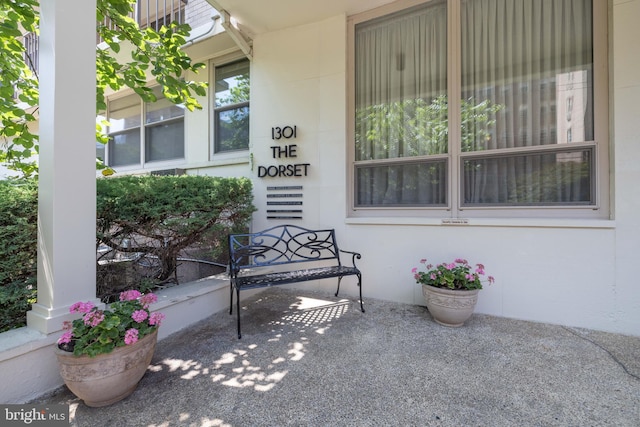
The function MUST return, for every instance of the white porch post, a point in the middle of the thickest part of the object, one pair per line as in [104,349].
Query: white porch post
[66,196]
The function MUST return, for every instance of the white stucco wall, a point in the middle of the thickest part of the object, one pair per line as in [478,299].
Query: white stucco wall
[298,78]
[577,273]
[625,34]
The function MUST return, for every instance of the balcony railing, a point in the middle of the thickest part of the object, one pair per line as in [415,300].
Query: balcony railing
[155,14]
[31,44]
[148,13]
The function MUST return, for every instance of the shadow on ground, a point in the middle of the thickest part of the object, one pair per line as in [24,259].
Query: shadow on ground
[311,359]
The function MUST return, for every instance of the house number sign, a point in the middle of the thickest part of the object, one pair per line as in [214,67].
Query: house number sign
[284,152]
[286,132]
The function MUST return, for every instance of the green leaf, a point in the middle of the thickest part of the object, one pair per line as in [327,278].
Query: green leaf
[114,46]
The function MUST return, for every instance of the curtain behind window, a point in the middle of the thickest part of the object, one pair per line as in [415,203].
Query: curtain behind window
[526,107]
[401,107]
[528,65]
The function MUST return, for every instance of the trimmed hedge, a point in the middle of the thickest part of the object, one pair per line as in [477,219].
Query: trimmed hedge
[161,216]
[156,216]
[18,251]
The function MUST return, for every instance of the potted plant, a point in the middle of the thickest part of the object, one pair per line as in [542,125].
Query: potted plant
[103,355]
[451,289]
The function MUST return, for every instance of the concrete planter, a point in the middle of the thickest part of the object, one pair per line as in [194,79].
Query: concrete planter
[107,378]
[450,307]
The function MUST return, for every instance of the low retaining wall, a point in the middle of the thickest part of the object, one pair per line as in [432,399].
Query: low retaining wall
[27,361]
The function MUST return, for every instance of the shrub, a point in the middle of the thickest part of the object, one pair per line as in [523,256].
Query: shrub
[18,251]
[161,216]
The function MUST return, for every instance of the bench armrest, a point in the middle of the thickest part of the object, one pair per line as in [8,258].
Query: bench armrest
[354,256]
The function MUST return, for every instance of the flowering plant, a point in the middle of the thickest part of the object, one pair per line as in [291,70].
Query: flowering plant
[456,275]
[100,331]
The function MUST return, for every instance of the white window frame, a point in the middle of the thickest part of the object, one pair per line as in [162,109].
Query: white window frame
[454,209]
[143,164]
[227,154]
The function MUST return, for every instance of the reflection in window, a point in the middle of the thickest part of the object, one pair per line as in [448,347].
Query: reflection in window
[545,179]
[406,184]
[231,114]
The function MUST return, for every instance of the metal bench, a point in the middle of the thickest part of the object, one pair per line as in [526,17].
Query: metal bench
[282,246]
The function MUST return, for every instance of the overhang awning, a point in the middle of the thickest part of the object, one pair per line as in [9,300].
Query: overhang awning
[261,16]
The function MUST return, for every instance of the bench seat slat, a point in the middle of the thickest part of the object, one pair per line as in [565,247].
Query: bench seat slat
[281,278]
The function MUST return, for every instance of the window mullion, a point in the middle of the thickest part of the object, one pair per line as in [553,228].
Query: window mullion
[453,88]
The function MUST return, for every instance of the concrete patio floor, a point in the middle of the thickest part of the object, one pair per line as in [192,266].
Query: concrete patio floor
[311,359]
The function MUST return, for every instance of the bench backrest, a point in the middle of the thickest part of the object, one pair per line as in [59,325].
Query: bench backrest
[283,244]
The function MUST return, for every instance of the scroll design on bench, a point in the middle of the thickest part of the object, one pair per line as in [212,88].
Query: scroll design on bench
[285,245]
[267,249]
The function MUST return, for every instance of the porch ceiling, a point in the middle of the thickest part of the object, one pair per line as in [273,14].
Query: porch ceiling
[258,16]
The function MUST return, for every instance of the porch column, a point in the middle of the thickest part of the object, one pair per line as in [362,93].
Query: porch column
[66,192]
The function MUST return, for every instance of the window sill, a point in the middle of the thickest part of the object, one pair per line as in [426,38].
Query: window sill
[225,159]
[487,222]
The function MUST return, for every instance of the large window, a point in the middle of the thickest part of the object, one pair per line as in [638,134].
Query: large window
[480,106]
[231,112]
[144,132]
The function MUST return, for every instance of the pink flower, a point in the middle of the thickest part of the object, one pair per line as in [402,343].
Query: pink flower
[81,307]
[65,338]
[130,295]
[131,336]
[139,315]
[93,319]
[156,318]
[148,299]
[67,325]
[458,274]
[423,260]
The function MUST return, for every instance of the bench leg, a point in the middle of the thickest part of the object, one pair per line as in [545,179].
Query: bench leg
[237,305]
[238,309]
[359,287]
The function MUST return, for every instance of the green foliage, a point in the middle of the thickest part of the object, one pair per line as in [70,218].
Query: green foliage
[17,142]
[155,55]
[156,52]
[163,215]
[100,331]
[157,215]
[18,253]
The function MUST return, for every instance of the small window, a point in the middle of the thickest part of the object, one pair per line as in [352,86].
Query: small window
[124,131]
[151,131]
[231,112]
[164,130]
